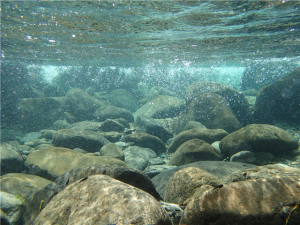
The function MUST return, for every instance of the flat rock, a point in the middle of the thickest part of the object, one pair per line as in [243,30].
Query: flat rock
[53,162]
[85,125]
[265,197]
[109,201]
[161,106]
[11,161]
[219,169]
[185,182]
[259,138]
[146,141]
[90,141]
[208,135]
[22,184]
[138,157]
[192,151]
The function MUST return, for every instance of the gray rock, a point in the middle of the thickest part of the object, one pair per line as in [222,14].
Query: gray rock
[210,109]
[259,138]
[173,210]
[11,161]
[90,141]
[235,99]
[12,207]
[150,126]
[103,193]
[146,141]
[33,136]
[154,170]
[138,157]
[217,168]
[122,98]
[208,135]
[279,101]
[192,151]
[85,125]
[194,125]
[81,104]
[4,218]
[111,112]
[112,150]
[112,136]
[161,106]
[111,125]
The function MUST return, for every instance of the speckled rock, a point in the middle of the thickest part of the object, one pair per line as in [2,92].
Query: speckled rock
[81,104]
[236,99]
[90,141]
[111,112]
[128,175]
[111,125]
[151,126]
[12,207]
[53,162]
[110,202]
[11,161]
[192,151]
[185,182]
[146,141]
[210,109]
[241,201]
[208,135]
[161,106]
[112,150]
[280,100]
[22,184]
[138,157]
[259,138]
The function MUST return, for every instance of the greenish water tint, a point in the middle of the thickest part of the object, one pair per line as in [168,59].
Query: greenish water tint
[139,33]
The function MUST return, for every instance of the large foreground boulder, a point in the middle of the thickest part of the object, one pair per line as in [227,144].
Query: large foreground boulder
[259,138]
[265,196]
[127,175]
[109,201]
[279,101]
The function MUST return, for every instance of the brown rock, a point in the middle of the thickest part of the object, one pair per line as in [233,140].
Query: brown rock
[208,135]
[146,141]
[258,138]
[267,199]
[192,151]
[112,150]
[99,199]
[185,182]
[53,162]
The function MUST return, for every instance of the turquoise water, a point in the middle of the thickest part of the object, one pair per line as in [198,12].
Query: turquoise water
[139,33]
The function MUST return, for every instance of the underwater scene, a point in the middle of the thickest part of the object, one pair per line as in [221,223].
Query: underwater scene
[150,112]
